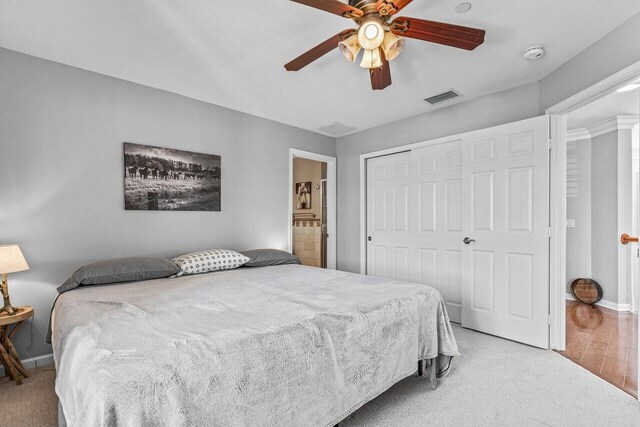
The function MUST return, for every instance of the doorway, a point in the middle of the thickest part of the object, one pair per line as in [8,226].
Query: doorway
[602,204]
[312,208]
[309,237]
[597,146]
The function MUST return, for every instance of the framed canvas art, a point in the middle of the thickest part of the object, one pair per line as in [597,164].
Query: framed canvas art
[167,179]
[303,195]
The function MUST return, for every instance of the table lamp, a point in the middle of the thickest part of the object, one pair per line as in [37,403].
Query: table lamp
[11,260]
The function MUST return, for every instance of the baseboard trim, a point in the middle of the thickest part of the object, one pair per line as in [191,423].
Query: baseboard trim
[30,363]
[607,304]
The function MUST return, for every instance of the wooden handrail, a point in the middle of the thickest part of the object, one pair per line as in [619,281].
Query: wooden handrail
[626,239]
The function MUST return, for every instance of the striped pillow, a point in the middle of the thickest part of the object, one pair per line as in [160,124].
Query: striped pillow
[206,261]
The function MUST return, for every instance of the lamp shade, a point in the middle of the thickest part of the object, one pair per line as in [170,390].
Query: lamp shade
[11,259]
[350,48]
[392,45]
[371,59]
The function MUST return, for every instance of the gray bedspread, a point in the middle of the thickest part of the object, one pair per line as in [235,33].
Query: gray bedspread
[284,345]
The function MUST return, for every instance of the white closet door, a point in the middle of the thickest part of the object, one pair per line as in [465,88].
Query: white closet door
[490,186]
[505,270]
[437,173]
[388,195]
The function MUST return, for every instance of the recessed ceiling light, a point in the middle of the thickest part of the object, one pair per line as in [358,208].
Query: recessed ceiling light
[630,87]
[463,7]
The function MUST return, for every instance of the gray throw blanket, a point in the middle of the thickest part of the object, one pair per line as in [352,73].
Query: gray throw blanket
[283,345]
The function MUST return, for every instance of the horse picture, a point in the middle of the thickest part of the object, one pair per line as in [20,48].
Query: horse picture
[303,195]
[157,178]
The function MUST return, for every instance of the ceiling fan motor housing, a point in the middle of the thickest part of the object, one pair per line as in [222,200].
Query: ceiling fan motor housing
[360,3]
[367,6]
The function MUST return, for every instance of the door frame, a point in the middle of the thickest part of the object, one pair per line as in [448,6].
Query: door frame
[331,201]
[558,199]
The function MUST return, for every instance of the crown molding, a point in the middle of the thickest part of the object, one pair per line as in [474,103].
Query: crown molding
[603,127]
[578,134]
[613,124]
[627,122]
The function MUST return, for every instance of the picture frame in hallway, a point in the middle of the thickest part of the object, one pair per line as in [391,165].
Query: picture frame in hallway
[168,179]
[303,195]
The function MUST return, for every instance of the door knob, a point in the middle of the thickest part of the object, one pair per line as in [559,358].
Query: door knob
[467,241]
[369,238]
[625,239]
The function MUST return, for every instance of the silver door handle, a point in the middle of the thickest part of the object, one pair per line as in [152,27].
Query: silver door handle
[468,241]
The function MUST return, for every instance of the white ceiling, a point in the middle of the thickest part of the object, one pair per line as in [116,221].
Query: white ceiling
[612,105]
[232,53]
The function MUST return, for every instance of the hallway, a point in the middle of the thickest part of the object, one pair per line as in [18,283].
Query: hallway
[604,342]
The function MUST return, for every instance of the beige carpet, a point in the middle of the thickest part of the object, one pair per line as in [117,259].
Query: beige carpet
[494,383]
[33,404]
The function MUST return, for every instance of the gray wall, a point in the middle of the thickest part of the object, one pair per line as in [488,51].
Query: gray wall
[612,53]
[491,110]
[61,175]
[579,208]
[604,211]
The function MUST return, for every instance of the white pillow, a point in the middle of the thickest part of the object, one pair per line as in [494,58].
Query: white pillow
[211,260]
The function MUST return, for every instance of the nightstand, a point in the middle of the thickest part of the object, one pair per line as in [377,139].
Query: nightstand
[8,354]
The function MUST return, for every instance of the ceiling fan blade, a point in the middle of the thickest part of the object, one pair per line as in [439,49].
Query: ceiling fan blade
[381,77]
[391,7]
[320,50]
[438,32]
[333,6]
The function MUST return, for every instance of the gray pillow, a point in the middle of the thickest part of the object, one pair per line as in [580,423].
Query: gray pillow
[266,257]
[120,270]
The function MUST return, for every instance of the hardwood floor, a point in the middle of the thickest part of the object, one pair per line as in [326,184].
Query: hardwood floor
[605,342]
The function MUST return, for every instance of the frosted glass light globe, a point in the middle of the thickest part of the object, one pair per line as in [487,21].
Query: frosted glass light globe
[371,34]
[371,31]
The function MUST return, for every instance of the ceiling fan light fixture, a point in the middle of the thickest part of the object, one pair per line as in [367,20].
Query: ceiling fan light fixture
[349,48]
[392,45]
[381,35]
[371,59]
[371,34]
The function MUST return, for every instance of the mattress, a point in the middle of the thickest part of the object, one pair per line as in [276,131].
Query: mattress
[286,345]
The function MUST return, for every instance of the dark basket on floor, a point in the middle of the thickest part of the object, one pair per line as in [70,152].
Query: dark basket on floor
[587,291]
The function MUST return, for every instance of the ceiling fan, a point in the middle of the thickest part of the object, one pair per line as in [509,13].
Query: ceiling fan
[381,39]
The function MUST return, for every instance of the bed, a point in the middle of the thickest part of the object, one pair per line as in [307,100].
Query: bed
[279,345]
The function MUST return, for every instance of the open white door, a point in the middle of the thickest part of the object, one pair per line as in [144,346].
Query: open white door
[505,224]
